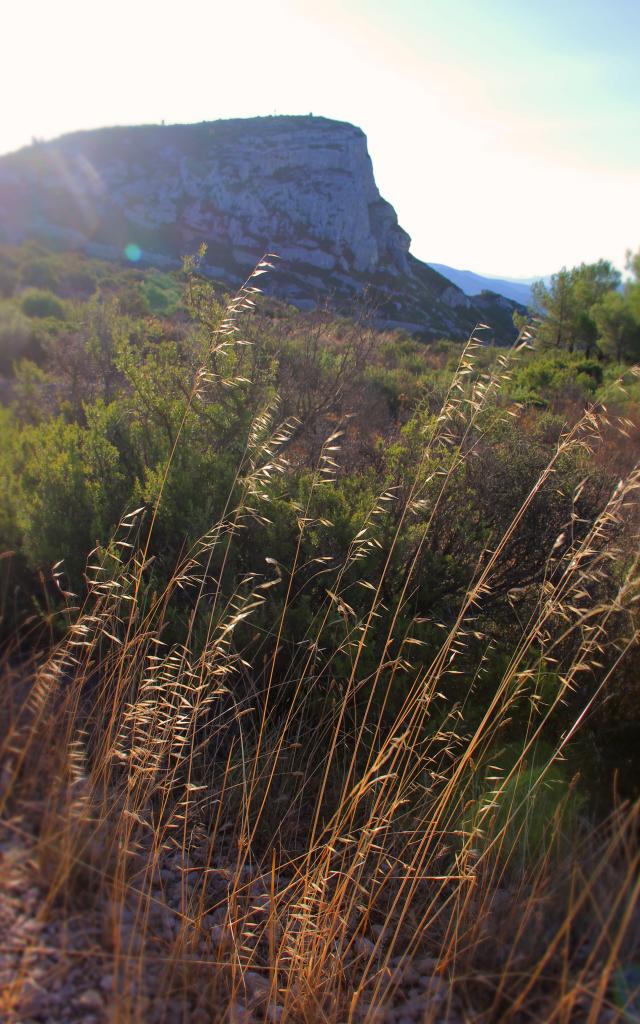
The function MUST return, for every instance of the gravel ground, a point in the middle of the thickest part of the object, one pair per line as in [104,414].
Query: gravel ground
[106,961]
[84,965]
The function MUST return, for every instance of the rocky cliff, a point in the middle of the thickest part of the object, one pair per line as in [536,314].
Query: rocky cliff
[301,187]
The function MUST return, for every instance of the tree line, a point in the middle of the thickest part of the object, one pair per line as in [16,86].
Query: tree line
[589,309]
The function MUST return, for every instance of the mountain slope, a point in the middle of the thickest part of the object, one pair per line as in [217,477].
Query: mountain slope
[473,284]
[302,187]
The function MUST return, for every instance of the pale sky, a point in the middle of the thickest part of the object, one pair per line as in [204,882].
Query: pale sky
[505,133]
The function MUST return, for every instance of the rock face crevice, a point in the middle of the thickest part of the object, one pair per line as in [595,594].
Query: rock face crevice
[302,187]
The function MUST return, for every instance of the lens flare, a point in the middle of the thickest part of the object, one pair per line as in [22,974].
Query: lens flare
[133,252]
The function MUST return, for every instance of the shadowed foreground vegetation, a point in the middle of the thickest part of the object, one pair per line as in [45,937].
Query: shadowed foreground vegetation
[338,721]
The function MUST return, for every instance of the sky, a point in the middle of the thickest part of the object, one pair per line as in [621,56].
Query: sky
[505,133]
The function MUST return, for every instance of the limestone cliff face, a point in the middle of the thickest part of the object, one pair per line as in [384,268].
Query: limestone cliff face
[301,187]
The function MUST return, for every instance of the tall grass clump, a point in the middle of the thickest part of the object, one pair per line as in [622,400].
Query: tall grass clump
[292,791]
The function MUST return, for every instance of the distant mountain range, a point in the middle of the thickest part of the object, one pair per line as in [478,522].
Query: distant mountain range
[301,187]
[516,289]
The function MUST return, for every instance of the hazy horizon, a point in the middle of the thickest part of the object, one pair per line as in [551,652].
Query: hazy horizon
[506,138]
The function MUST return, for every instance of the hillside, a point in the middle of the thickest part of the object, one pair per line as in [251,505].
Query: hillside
[472,284]
[300,187]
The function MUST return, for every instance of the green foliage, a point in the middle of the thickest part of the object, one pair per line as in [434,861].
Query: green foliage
[618,329]
[568,306]
[8,276]
[30,388]
[17,337]
[364,638]
[52,507]
[621,385]
[40,272]
[42,304]
[162,293]
[124,409]
[532,803]
[553,373]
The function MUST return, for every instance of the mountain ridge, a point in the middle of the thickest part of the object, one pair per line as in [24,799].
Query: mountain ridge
[302,187]
[472,283]
[514,288]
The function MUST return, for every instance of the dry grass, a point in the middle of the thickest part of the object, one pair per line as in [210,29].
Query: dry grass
[325,859]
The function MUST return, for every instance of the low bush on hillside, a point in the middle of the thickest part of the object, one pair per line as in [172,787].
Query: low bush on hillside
[42,304]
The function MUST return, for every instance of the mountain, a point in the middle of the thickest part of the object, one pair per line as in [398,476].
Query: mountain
[519,290]
[300,187]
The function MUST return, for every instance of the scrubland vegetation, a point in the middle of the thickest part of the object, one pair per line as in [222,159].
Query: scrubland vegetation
[320,672]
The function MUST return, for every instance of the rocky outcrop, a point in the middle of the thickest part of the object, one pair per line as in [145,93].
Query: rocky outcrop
[301,187]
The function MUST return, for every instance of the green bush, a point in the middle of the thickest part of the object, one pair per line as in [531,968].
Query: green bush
[8,280]
[531,803]
[162,293]
[17,339]
[40,273]
[42,305]
[545,375]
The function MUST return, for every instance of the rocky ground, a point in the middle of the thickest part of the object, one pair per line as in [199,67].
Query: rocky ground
[139,960]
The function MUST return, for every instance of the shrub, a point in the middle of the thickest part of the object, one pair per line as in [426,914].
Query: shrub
[42,305]
[546,375]
[163,294]
[8,280]
[40,273]
[17,338]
